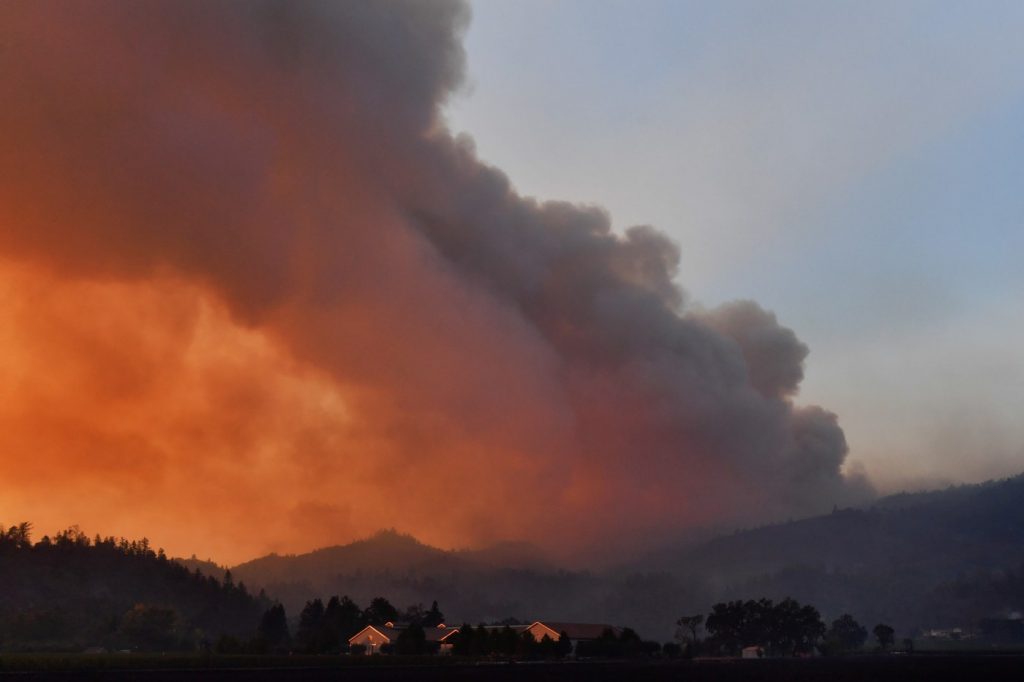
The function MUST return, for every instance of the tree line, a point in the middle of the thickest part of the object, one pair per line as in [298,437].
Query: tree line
[786,628]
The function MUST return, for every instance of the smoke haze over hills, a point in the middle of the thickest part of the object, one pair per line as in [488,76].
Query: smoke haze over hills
[943,559]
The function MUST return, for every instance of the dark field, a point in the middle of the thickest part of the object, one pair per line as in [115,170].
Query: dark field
[927,667]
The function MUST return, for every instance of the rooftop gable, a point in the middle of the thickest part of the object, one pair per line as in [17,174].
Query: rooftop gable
[386,634]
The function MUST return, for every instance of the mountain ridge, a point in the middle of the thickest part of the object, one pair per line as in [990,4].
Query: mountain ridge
[887,560]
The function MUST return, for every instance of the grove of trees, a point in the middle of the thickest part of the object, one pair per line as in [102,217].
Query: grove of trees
[787,628]
[845,636]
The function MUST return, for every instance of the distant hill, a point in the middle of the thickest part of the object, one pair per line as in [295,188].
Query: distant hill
[960,529]
[507,580]
[937,559]
[71,593]
[388,551]
[206,567]
[897,561]
[385,551]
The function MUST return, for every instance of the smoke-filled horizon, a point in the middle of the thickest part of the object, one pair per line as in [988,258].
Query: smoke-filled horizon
[256,297]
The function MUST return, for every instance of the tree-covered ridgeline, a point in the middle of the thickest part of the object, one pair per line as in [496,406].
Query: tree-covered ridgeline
[72,592]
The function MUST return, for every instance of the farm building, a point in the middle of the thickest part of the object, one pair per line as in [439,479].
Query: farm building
[373,637]
[577,632]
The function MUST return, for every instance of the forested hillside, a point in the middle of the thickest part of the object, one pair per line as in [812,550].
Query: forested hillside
[908,559]
[71,592]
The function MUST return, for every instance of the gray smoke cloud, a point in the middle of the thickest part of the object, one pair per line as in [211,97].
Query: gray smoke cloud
[518,362]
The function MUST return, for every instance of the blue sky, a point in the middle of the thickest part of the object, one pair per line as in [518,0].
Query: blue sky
[856,167]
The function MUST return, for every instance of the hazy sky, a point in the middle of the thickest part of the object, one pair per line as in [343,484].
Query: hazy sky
[857,167]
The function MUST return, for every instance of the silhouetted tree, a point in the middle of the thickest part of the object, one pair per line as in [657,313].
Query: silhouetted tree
[504,641]
[794,628]
[433,617]
[273,627]
[884,635]
[309,634]
[380,611]
[346,616]
[563,647]
[149,627]
[19,536]
[607,645]
[736,624]
[545,647]
[630,644]
[686,631]
[462,641]
[483,645]
[413,614]
[526,646]
[411,641]
[846,634]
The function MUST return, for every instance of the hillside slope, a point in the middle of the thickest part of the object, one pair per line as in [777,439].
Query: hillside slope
[898,561]
[71,593]
[508,580]
[385,551]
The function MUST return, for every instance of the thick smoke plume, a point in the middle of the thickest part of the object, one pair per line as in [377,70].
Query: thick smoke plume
[252,285]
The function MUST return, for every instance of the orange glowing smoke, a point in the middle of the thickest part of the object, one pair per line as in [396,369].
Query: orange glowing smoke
[255,297]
